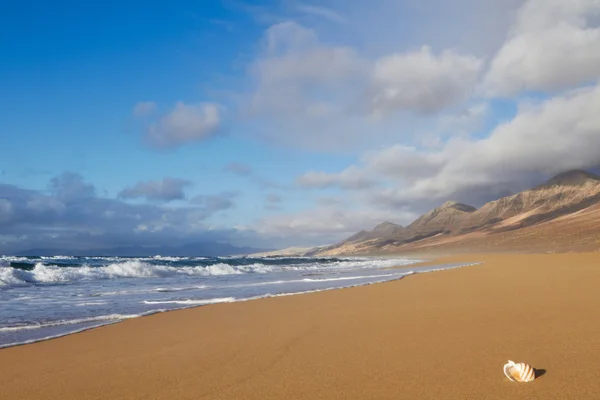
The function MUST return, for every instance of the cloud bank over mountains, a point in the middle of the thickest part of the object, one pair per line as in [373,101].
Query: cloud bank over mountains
[548,67]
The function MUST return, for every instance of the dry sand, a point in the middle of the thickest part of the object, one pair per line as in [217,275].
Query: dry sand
[442,335]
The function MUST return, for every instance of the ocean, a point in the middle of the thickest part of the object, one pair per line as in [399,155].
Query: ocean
[47,297]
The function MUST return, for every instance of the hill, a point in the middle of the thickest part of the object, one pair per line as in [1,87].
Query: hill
[560,214]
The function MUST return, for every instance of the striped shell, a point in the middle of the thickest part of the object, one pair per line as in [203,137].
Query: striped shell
[519,372]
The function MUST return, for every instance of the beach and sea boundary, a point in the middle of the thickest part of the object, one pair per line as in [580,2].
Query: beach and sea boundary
[439,335]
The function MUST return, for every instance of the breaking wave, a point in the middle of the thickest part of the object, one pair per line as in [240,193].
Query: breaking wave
[12,275]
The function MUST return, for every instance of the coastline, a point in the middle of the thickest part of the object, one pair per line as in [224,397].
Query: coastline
[441,335]
[374,270]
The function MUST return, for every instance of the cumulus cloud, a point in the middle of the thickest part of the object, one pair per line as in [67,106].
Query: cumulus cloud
[403,163]
[186,123]
[167,189]
[321,95]
[295,68]
[553,46]
[422,81]
[143,108]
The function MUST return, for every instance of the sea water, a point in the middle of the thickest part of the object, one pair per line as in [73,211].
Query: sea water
[47,297]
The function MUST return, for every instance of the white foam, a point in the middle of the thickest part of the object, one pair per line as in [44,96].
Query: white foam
[187,303]
[180,289]
[193,301]
[30,341]
[347,278]
[110,317]
[41,273]
[317,280]
[165,258]
[102,321]
[135,268]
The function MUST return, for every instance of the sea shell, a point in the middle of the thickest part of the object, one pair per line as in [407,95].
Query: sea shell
[519,372]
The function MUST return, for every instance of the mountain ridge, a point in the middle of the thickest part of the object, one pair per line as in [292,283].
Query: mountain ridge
[562,196]
[574,177]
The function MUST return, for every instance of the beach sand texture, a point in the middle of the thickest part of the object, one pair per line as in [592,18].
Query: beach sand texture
[442,335]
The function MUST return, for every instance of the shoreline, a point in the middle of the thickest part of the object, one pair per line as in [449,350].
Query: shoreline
[443,335]
[208,302]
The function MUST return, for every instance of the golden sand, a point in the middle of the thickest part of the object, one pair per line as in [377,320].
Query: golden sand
[442,335]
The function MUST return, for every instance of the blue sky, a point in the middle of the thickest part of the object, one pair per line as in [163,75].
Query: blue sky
[281,122]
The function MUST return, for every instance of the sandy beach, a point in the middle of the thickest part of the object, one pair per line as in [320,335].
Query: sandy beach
[442,335]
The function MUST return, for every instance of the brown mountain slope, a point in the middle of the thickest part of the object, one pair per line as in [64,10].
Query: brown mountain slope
[382,230]
[579,231]
[569,199]
[441,219]
[564,194]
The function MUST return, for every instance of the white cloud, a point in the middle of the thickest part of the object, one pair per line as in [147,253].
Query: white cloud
[403,163]
[544,139]
[187,123]
[461,123]
[554,45]
[296,70]
[143,108]
[422,81]
[304,88]
[320,95]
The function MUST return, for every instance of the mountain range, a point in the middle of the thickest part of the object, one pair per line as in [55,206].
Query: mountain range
[560,215]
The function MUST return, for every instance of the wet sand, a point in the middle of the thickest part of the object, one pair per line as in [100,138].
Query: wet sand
[441,335]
